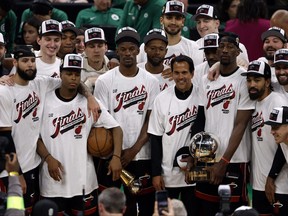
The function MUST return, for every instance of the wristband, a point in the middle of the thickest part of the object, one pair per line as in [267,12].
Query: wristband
[225,160]
[114,155]
[14,173]
[46,156]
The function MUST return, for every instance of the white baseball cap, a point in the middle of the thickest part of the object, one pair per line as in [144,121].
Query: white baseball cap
[258,68]
[73,62]
[50,26]
[210,41]
[278,116]
[94,33]
[205,10]
[280,56]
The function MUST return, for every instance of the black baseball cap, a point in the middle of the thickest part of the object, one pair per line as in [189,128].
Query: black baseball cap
[274,31]
[21,51]
[230,37]
[127,34]
[155,34]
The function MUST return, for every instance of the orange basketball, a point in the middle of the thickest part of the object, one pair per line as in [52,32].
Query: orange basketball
[100,142]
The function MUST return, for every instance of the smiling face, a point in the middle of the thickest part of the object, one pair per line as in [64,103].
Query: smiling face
[172,23]
[50,44]
[281,71]
[206,25]
[182,76]
[280,133]
[270,45]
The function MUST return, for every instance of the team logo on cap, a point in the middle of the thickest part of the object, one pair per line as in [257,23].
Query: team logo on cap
[94,34]
[254,67]
[274,115]
[203,10]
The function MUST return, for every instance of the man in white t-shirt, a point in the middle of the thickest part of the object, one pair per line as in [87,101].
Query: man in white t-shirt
[172,20]
[68,169]
[50,36]
[156,48]
[263,144]
[171,125]
[278,120]
[228,110]
[129,92]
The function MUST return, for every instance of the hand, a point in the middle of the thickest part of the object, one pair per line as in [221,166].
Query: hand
[191,162]
[214,72]
[115,167]
[217,172]
[7,80]
[93,107]
[127,156]
[113,63]
[270,189]
[11,165]
[242,63]
[165,213]
[23,184]
[158,183]
[55,168]
[167,74]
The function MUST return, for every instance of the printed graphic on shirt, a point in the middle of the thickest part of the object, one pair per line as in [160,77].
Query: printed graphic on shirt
[164,86]
[257,124]
[27,106]
[72,120]
[136,96]
[183,120]
[222,94]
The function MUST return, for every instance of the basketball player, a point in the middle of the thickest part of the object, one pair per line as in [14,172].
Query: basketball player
[263,145]
[21,107]
[128,92]
[156,48]
[69,169]
[174,111]
[226,102]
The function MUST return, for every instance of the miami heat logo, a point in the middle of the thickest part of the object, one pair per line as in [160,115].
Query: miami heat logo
[136,96]
[27,106]
[72,120]
[257,124]
[183,120]
[164,86]
[217,96]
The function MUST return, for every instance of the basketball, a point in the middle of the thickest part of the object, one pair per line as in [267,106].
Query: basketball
[100,142]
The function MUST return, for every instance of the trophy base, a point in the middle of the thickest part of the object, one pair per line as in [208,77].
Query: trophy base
[198,174]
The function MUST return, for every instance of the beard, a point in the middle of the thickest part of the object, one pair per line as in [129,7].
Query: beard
[25,76]
[257,94]
[155,61]
[172,32]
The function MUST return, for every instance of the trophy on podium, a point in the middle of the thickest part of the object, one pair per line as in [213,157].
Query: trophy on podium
[202,148]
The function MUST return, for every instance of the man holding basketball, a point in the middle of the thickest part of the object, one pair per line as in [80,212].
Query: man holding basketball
[68,171]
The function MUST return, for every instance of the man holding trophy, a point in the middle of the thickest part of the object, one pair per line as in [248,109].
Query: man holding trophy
[173,120]
[227,112]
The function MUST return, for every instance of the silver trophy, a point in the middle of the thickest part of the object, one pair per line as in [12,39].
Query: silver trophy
[202,148]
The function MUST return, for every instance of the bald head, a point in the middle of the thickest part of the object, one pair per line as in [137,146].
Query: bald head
[280,19]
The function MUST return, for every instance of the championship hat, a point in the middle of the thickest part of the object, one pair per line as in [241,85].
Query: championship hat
[2,42]
[155,34]
[230,37]
[94,34]
[50,26]
[68,26]
[278,116]
[280,56]
[274,31]
[210,41]
[72,62]
[173,7]
[207,11]
[258,68]
[127,34]
[21,51]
